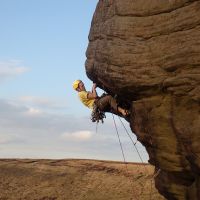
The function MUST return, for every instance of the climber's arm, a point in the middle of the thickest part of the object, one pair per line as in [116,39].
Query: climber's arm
[93,94]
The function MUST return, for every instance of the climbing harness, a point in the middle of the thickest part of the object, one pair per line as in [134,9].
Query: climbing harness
[97,115]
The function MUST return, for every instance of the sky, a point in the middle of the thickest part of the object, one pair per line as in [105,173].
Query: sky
[42,51]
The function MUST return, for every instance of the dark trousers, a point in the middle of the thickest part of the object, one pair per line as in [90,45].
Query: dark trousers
[107,104]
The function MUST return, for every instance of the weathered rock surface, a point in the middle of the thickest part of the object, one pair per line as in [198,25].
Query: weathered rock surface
[148,53]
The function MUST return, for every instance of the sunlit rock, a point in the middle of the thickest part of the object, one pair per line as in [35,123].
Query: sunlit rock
[148,53]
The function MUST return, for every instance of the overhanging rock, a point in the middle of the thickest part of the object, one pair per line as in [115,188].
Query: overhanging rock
[148,52]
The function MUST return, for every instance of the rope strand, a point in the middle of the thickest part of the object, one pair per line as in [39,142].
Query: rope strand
[123,156]
[134,144]
[119,139]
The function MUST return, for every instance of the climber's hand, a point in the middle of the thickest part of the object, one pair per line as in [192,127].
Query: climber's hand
[94,86]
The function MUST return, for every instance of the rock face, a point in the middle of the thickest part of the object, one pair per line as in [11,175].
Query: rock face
[148,53]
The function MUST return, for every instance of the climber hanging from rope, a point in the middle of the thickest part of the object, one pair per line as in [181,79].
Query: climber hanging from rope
[99,105]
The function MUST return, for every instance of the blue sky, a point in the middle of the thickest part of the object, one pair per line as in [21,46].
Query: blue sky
[43,45]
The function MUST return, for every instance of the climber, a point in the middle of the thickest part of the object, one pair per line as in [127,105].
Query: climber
[106,103]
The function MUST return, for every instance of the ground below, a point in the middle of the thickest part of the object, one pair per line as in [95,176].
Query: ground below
[30,179]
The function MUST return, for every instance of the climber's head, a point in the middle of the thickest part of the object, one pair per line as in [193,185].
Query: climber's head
[78,85]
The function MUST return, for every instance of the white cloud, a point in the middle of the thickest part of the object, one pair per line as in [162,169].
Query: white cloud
[5,139]
[26,131]
[48,103]
[11,68]
[33,112]
[36,100]
[77,136]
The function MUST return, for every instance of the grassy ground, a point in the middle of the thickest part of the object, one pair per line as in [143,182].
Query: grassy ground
[75,180]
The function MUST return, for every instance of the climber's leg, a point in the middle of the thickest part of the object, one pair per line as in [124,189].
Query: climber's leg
[109,104]
[103,103]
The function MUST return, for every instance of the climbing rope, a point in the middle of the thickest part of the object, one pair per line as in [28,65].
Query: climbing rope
[96,127]
[126,167]
[119,139]
[134,144]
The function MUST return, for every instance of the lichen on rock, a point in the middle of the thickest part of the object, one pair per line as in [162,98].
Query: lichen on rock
[148,53]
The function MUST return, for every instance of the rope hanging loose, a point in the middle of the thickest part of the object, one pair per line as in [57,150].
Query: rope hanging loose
[134,192]
[134,144]
[119,139]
